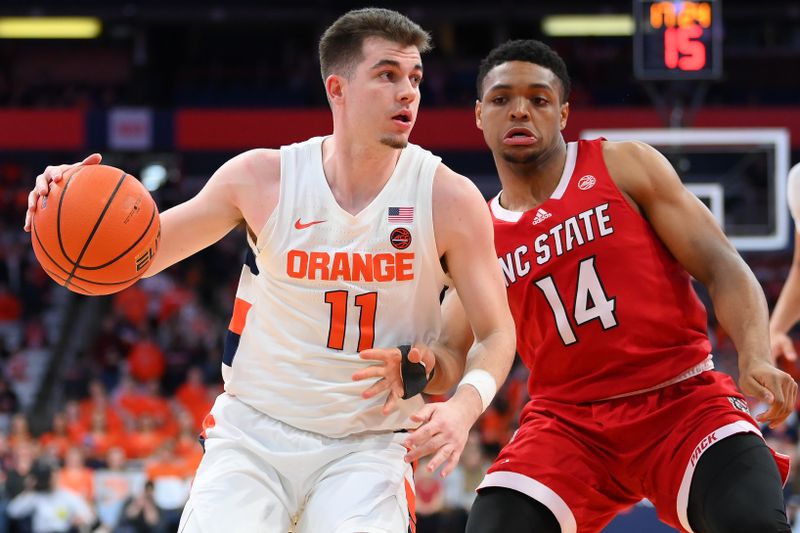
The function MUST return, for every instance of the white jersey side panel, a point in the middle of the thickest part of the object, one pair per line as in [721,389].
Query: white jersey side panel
[793,194]
[326,284]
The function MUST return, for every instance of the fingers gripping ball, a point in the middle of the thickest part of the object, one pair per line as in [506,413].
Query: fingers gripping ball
[97,230]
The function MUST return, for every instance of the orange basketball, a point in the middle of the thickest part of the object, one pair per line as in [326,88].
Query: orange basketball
[97,230]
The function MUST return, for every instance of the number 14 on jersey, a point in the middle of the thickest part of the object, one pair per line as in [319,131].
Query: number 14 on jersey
[591,302]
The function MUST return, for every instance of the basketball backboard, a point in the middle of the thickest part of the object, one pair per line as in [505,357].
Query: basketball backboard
[739,173]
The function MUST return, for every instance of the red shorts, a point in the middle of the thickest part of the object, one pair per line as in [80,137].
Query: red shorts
[587,462]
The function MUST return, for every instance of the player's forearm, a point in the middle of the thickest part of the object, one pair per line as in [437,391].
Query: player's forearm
[787,309]
[185,230]
[741,310]
[493,354]
[452,346]
[487,366]
[450,362]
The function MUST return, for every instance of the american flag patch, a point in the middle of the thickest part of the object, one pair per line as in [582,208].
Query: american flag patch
[401,214]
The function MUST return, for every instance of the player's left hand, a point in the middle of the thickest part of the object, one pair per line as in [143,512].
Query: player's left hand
[389,373]
[443,433]
[777,388]
[781,345]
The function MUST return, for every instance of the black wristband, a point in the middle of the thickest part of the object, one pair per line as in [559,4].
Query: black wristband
[414,375]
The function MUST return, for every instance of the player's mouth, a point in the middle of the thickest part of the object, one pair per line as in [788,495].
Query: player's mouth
[519,137]
[403,119]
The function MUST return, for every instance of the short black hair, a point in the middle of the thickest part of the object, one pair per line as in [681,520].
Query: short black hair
[529,50]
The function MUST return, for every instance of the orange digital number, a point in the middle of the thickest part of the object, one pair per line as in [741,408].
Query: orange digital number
[682,50]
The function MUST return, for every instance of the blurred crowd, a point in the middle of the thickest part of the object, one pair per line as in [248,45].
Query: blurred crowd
[268,57]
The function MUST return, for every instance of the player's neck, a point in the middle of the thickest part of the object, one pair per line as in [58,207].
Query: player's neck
[357,172]
[527,185]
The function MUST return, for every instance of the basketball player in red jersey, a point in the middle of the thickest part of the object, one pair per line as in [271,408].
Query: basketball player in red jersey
[598,242]
[352,237]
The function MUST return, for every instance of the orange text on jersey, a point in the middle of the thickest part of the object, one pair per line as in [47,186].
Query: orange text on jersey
[350,266]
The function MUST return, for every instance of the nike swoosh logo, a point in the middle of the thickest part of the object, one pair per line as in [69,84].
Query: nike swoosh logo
[300,225]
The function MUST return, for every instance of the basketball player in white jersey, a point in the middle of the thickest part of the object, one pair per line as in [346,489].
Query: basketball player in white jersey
[353,236]
[787,309]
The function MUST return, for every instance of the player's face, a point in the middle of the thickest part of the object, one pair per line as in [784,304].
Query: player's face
[521,113]
[382,96]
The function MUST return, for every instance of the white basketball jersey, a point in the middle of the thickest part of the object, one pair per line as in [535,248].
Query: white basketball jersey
[326,284]
[793,194]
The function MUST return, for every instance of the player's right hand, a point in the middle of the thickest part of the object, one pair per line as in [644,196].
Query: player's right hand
[781,345]
[759,378]
[52,174]
[443,431]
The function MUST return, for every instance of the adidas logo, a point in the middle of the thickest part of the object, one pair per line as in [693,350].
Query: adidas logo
[541,216]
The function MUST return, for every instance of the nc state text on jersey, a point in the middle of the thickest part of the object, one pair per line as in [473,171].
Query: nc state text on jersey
[350,266]
[563,237]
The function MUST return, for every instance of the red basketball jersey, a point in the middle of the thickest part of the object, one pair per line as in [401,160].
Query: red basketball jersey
[602,308]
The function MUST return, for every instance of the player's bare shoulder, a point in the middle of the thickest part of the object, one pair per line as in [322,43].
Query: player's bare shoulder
[252,181]
[627,158]
[459,208]
[260,167]
[454,193]
[638,169]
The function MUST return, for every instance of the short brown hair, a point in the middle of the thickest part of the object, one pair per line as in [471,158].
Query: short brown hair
[340,48]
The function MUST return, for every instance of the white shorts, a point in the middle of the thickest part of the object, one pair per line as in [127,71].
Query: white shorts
[260,475]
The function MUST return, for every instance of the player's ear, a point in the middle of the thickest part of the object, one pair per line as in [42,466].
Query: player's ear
[564,115]
[478,120]
[334,87]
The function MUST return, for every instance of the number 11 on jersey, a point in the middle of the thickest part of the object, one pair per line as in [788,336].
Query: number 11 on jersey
[367,304]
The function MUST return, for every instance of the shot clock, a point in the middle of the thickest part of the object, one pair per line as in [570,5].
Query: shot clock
[677,40]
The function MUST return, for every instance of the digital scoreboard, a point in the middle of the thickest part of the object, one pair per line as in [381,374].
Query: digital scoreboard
[677,40]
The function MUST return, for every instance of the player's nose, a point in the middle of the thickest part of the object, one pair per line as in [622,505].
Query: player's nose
[407,92]
[519,109]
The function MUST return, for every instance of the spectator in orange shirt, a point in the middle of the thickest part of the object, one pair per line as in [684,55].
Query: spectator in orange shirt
[172,479]
[145,439]
[75,426]
[194,395]
[187,447]
[75,476]
[19,433]
[144,399]
[99,439]
[146,361]
[172,300]
[98,400]
[132,304]
[58,438]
